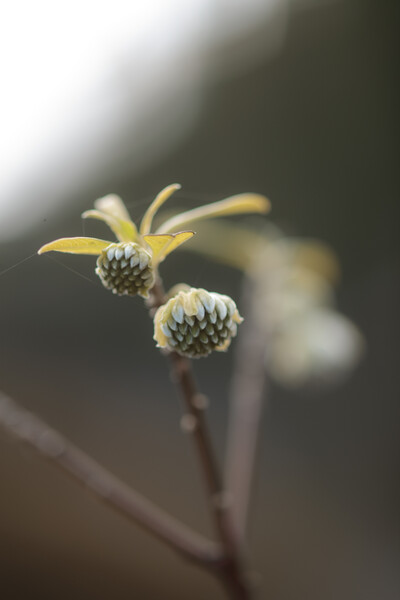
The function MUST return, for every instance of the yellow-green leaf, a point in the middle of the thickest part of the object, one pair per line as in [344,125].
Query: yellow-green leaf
[239,204]
[147,220]
[228,243]
[114,206]
[76,245]
[164,244]
[157,243]
[178,239]
[125,231]
[317,256]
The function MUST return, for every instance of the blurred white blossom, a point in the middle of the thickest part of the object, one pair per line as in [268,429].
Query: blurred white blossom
[307,340]
[317,345]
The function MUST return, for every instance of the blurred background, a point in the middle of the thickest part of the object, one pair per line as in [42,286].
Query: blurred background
[295,99]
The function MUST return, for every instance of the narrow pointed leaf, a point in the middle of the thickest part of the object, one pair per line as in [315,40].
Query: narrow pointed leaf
[76,245]
[158,243]
[178,239]
[164,244]
[125,231]
[242,203]
[147,220]
[228,243]
[114,206]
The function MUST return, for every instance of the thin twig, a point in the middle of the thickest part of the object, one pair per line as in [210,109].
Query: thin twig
[231,569]
[220,505]
[29,429]
[248,395]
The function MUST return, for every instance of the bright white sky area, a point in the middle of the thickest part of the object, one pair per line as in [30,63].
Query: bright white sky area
[76,75]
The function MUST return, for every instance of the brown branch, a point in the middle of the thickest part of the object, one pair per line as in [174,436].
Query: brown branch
[50,444]
[230,569]
[247,400]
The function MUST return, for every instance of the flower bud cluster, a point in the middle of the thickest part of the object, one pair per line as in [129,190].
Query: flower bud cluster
[195,322]
[126,269]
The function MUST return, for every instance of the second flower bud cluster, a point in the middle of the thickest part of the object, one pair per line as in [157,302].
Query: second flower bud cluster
[196,322]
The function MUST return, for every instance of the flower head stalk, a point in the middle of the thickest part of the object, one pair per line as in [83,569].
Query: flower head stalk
[129,265]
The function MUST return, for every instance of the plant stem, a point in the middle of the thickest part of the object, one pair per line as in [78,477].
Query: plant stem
[50,444]
[247,400]
[230,569]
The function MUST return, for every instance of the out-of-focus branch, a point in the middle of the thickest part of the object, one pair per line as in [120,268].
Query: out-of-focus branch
[247,399]
[50,444]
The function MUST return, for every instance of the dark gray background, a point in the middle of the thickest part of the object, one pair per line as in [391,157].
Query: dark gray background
[315,129]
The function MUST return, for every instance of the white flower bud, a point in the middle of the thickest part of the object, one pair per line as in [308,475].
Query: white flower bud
[126,269]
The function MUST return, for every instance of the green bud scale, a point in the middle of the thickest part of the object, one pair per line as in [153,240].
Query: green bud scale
[194,323]
[126,269]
